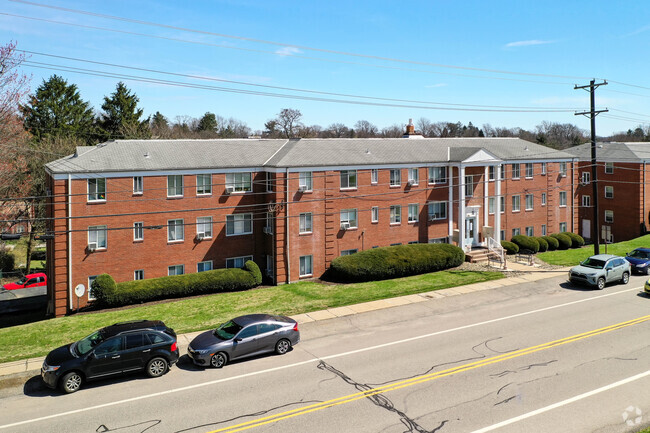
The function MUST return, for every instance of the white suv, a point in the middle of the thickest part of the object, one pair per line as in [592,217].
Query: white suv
[601,269]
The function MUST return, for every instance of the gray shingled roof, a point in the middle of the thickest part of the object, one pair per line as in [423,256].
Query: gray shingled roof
[613,152]
[151,155]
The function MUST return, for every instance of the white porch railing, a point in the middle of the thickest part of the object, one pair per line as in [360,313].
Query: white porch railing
[496,248]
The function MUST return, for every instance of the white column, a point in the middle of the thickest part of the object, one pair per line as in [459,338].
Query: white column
[497,210]
[450,205]
[461,206]
[486,192]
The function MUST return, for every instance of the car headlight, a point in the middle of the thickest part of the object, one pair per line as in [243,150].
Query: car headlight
[642,265]
[203,351]
[50,368]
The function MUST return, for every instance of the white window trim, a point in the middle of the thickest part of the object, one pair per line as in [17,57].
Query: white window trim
[198,224]
[415,180]
[175,186]
[560,199]
[492,200]
[311,222]
[306,180]
[396,206]
[175,266]
[348,188]
[91,277]
[244,260]
[432,180]
[609,164]
[532,169]
[512,166]
[141,191]
[134,274]
[437,202]
[611,188]
[233,216]
[586,198]
[203,194]
[374,176]
[96,193]
[611,212]
[374,214]
[417,213]
[203,262]
[347,220]
[182,225]
[98,229]
[134,231]
[562,169]
[532,202]
[399,178]
[543,173]
[543,203]
[312,266]
[238,187]
[518,197]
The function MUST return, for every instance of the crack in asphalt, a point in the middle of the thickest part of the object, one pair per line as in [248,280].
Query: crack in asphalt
[506,400]
[380,400]
[501,389]
[526,367]
[154,422]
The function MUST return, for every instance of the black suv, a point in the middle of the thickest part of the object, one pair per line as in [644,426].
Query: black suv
[120,348]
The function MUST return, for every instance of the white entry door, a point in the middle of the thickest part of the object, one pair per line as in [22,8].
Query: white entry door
[471,235]
[586,229]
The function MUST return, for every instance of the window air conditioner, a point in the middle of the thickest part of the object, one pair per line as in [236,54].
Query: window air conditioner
[345,226]
[92,246]
[268,230]
[200,236]
[302,188]
[433,217]
[410,183]
[230,189]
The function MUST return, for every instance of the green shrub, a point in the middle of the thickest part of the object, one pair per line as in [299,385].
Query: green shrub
[7,261]
[577,241]
[104,289]
[218,280]
[543,245]
[252,267]
[38,255]
[393,262]
[553,243]
[511,248]
[526,243]
[564,241]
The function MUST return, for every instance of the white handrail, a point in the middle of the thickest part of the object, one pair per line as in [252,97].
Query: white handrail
[497,249]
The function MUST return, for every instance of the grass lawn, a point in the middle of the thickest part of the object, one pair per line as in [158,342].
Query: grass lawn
[574,257]
[205,312]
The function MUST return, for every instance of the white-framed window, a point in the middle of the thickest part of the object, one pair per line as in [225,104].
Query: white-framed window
[306,266]
[491,173]
[609,216]
[439,241]
[396,214]
[585,177]
[91,295]
[138,185]
[516,203]
[204,266]
[269,222]
[395,177]
[586,201]
[305,222]
[515,171]
[239,182]
[268,181]
[543,229]
[414,212]
[414,176]
[204,226]
[437,210]
[175,270]
[502,204]
[543,169]
[374,175]
[239,224]
[491,202]
[503,173]
[530,231]
[437,174]
[562,198]
[175,230]
[237,262]
[374,214]
[469,186]
[204,184]
[348,179]
[562,227]
[138,231]
[138,274]
[97,236]
[349,218]
[563,169]
[175,185]
[609,168]
[97,189]
[349,252]
[529,202]
[516,232]
[543,199]
[529,170]
[502,234]
[305,180]
[609,192]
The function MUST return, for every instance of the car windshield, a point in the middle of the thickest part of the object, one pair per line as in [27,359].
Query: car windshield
[23,280]
[593,263]
[227,330]
[638,254]
[85,345]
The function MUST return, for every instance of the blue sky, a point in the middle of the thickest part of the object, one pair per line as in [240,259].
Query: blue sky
[577,40]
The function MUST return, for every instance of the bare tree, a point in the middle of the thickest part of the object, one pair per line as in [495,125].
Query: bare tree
[288,121]
[393,131]
[365,129]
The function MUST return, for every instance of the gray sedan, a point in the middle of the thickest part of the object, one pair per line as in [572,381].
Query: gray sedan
[242,337]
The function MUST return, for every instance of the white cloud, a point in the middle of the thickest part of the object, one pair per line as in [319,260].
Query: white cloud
[527,43]
[287,51]
[432,86]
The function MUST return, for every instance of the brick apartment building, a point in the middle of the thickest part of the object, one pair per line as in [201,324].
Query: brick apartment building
[149,208]
[623,173]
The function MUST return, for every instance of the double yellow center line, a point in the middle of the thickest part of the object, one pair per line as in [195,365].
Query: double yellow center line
[426,377]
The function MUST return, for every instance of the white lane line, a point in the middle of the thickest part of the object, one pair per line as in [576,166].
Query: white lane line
[269,370]
[563,402]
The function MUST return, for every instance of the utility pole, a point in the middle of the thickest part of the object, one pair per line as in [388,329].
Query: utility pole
[592,113]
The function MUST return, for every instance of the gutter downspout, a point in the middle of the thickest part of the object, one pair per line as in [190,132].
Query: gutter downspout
[643,201]
[573,193]
[69,241]
[287,254]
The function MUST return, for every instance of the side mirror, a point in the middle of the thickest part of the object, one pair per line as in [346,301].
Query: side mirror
[237,340]
[92,355]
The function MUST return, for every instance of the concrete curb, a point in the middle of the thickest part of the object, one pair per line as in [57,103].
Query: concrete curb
[11,370]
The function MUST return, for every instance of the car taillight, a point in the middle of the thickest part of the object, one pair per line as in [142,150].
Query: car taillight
[295,327]
[173,348]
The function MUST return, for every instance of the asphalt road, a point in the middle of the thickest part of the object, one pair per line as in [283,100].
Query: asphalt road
[539,357]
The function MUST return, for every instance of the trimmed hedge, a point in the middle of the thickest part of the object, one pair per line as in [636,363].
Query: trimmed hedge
[511,248]
[393,262]
[564,241]
[7,261]
[553,243]
[526,243]
[109,294]
[577,241]
[543,245]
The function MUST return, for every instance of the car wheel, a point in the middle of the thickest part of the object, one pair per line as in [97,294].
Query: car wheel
[71,382]
[626,278]
[218,360]
[600,283]
[282,346]
[156,367]
[646,270]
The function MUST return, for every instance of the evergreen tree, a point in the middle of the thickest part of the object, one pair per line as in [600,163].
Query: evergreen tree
[121,115]
[208,123]
[159,126]
[56,110]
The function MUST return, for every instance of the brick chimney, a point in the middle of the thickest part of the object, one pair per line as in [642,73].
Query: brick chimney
[410,131]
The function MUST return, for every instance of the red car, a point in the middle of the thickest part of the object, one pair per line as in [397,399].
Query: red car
[31,280]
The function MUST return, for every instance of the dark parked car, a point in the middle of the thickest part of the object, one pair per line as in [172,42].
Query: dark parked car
[639,260]
[121,348]
[242,337]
